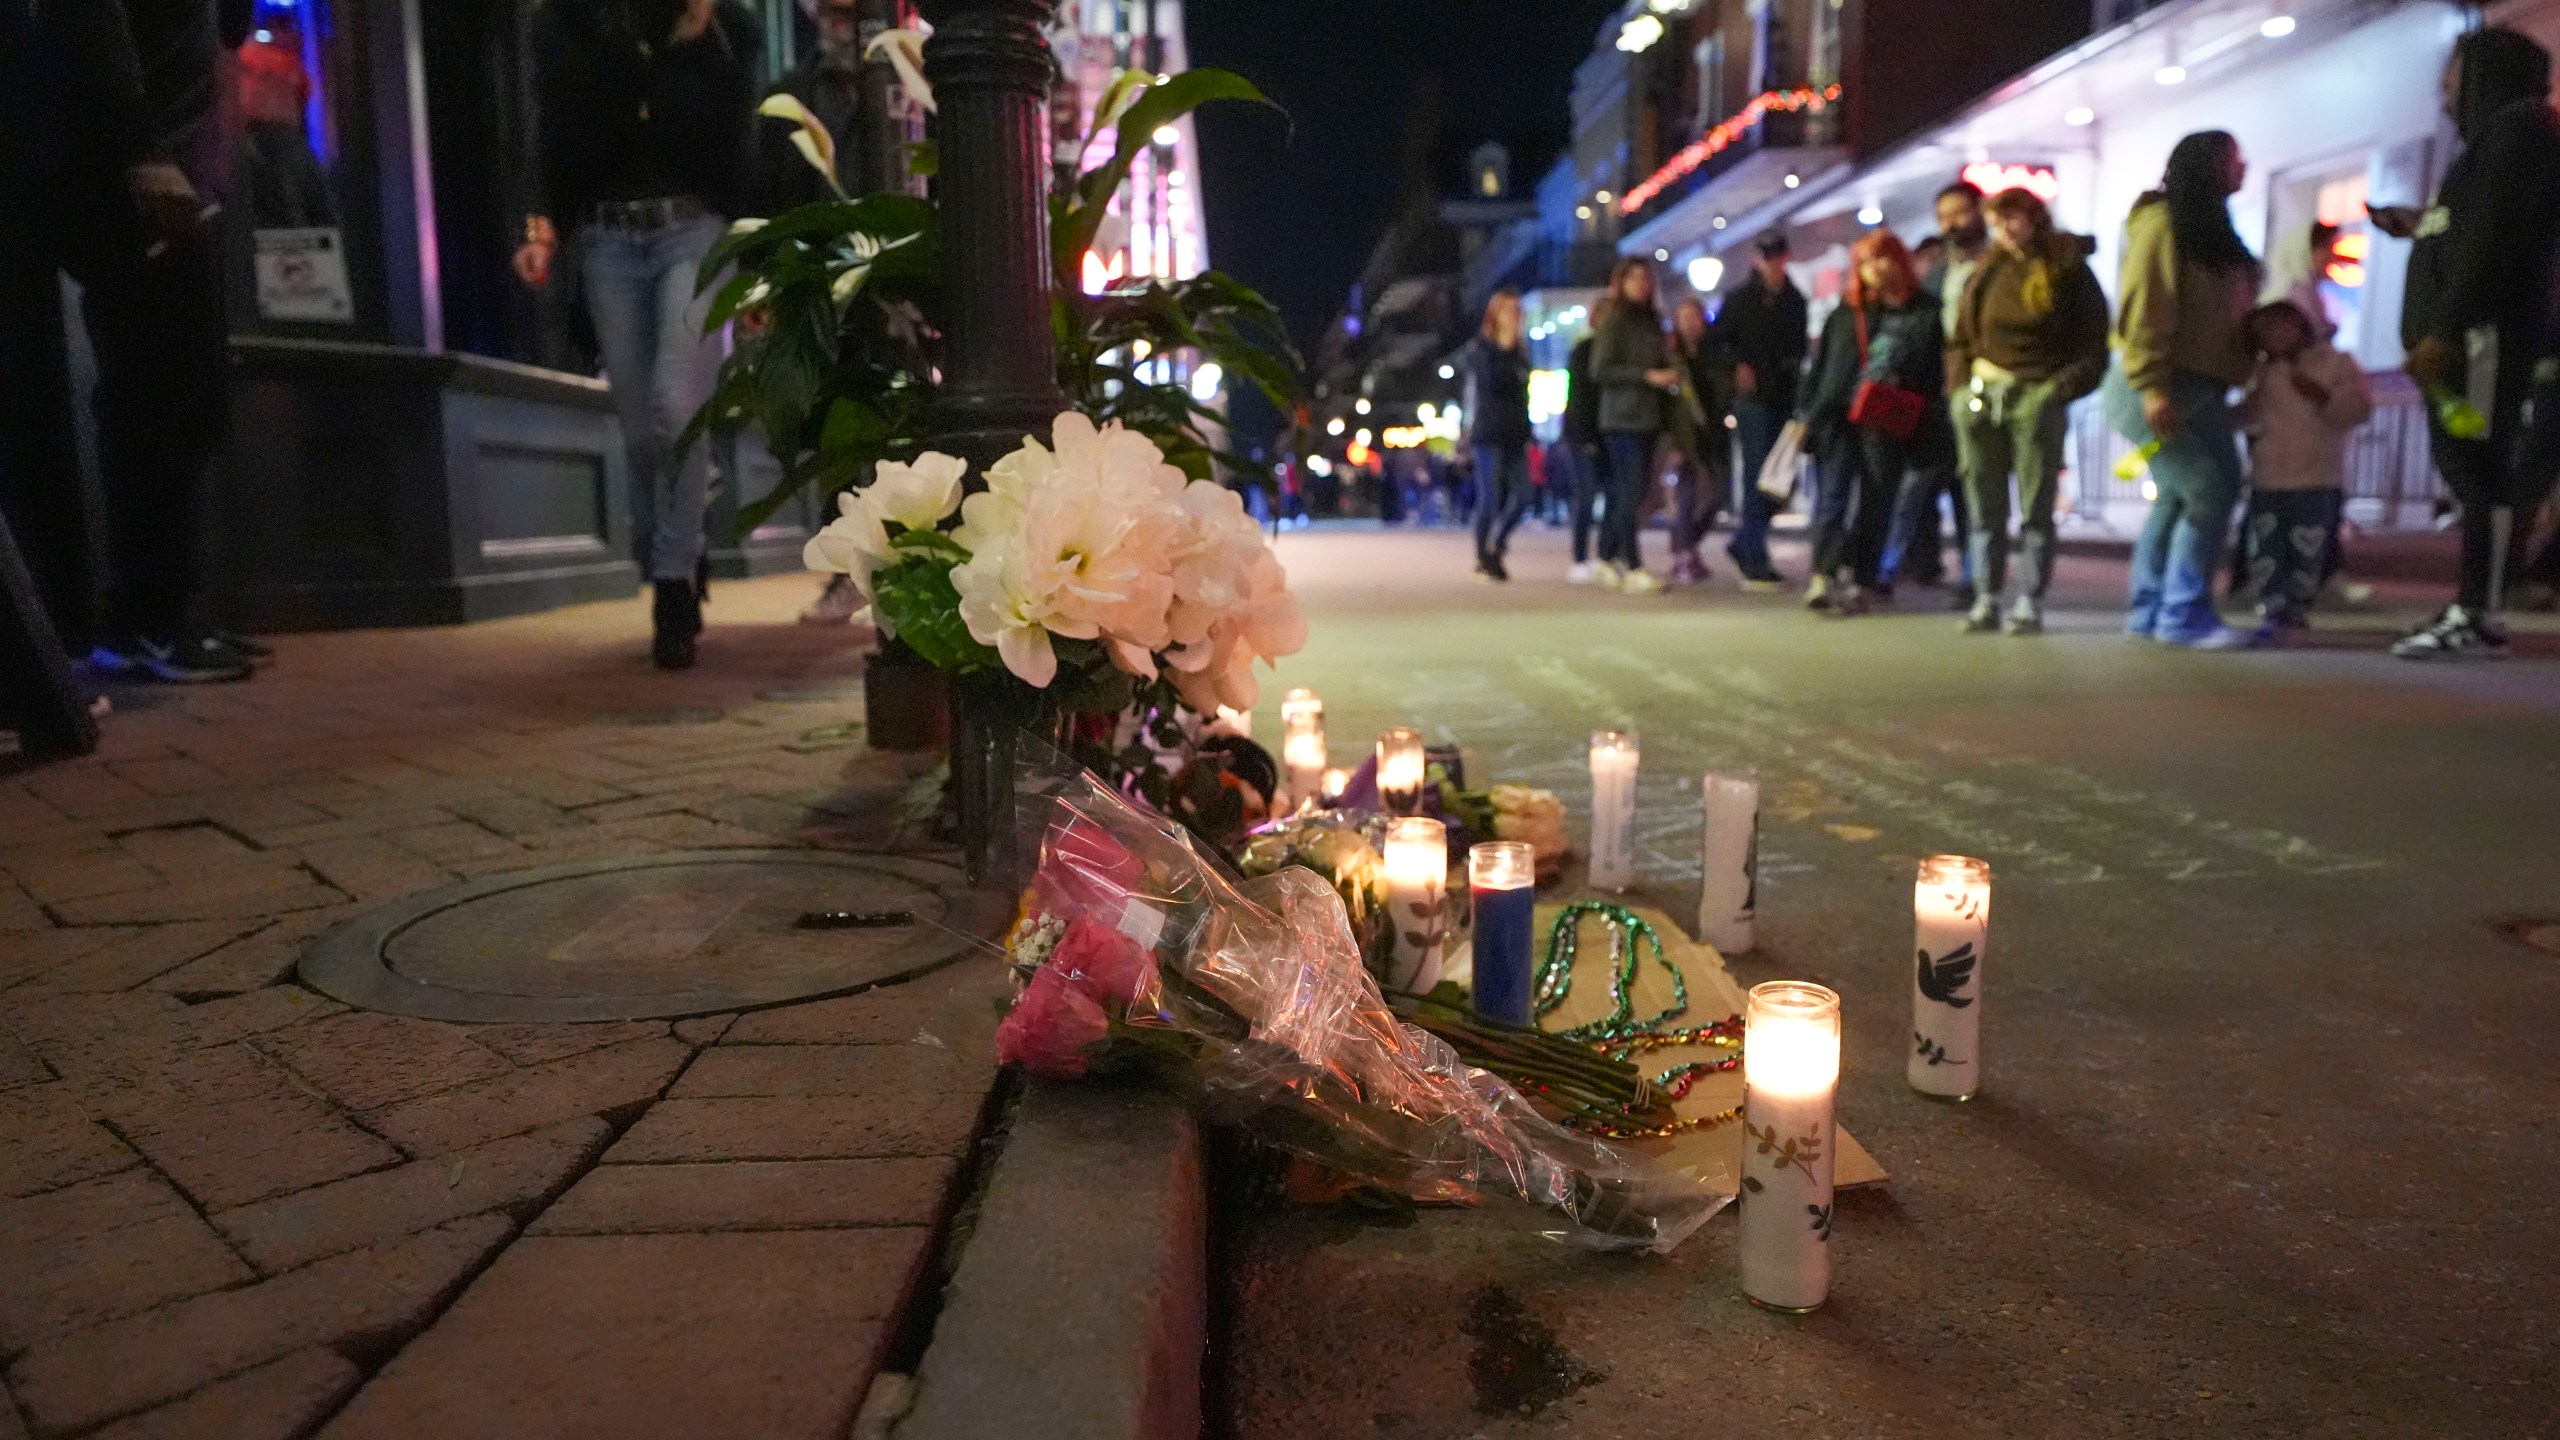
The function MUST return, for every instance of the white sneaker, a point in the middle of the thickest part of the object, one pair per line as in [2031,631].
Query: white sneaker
[1608,576]
[2457,634]
[2026,617]
[1641,582]
[835,605]
[1580,574]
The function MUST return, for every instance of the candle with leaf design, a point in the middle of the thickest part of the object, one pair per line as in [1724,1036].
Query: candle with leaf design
[1790,1075]
[1417,868]
[1951,909]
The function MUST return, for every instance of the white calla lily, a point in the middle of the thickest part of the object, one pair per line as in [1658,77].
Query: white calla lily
[904,50]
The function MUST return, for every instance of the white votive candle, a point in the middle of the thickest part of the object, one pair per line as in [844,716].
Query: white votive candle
[1729,861]
[1400,770]
[1302,751]
[1417,866]
[1300,705]
[1790,1075]
[1335,782]
[1613,809]
[1951,915]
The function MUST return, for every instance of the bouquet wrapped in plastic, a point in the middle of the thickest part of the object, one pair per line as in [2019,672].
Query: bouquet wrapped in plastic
[1138,949]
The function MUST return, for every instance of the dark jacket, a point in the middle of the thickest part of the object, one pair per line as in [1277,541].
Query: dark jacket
[2065,342]
[1497,391]
[626,116]
[1904,348]
[1627,343]
[1768,331]
[2484,251]
[1582,396]
[783,177]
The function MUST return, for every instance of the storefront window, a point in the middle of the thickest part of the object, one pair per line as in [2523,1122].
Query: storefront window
[284,197]
[2332,193]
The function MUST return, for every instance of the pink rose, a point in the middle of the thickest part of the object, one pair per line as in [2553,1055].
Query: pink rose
[1103,963]
[1051,1026]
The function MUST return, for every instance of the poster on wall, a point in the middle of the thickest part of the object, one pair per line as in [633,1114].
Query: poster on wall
[302,275]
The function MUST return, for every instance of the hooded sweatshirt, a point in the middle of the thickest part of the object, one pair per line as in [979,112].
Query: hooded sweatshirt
[2295,442]
[2062,337]
[2484,251]
[2179,315]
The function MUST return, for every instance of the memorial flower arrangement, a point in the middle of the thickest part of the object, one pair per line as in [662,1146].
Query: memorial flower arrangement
[1087,567]
[1135,952]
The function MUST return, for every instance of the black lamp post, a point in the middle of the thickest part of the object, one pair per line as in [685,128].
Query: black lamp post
[990,66]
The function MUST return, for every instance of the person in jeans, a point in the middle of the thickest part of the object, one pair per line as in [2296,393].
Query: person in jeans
[1495,366]
[2477,321]
[1631,364]
[2308,397]
[1581,451]
[2030,338]
[647,146]
[2187,285]
[1915,550]
[1764,326]
[1700,435]
[1883,339]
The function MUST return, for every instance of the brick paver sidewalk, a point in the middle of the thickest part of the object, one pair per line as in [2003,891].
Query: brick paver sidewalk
[232,1208]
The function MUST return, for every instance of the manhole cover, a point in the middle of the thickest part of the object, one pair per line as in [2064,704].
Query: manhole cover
[657,937]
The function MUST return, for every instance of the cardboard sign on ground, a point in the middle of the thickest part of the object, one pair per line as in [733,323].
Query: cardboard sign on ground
[1712,1152]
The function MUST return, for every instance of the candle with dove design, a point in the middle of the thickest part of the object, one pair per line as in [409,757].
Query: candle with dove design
[1790,1076]
[1417,866]
[1401,768]
[1614,756]
[1951,910]
[1729,861]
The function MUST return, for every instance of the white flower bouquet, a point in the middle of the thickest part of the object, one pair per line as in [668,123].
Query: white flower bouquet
[1084,568]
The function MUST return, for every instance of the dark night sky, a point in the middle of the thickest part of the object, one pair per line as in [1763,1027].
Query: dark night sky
[1294,206]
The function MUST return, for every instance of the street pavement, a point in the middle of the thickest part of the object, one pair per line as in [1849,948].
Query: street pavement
[2270,1102]
[232,1209]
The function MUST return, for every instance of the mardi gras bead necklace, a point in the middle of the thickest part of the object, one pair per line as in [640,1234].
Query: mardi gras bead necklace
[1622,1036]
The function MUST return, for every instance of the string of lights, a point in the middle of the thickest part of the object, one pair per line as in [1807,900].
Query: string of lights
[1721,137]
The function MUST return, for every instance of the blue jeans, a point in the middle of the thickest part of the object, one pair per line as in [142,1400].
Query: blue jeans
[1502,492]
[2198,476]
[640,292]
[1629,473]
[1757,426]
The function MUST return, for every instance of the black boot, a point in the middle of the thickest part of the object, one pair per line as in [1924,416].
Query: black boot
[676,617]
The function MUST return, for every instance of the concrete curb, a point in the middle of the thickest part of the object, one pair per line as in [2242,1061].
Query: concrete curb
[1079,1310]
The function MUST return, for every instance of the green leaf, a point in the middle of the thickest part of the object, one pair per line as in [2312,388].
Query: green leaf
[916,598]
[924,159]
[1164,102]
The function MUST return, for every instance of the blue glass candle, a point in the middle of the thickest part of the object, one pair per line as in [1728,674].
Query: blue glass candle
[1502,877]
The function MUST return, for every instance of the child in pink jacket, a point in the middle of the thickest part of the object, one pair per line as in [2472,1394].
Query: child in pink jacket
[2304,401]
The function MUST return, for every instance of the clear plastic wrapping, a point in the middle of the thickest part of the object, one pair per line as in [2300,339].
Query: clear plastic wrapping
[1140,948]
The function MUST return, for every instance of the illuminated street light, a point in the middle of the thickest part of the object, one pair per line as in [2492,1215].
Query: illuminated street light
[1794,180]
[1448,372]
[1705,273]
[2079,115]
[1581,212]
[1361,405]
[2170,75]
[1167,136]
[1639,34]
[2277,27]
[1871,215]
[1335,426]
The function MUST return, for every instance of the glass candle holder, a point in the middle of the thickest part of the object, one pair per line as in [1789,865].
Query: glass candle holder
[1951,920]
[1302,755]
[1614,754]
[1502,881]
[1729,860]
[1400,771]
[1790,1079]
[1301,705]
[1417,869]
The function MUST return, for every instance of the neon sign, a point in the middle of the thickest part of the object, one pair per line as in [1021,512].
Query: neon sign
[1991,177]
[1719,139]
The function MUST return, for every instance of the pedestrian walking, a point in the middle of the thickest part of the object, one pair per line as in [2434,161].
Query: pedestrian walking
[1916,550]
[2307,398]
[136,232]
[2030,337]
[2477,324]
[1878,372]
[1763,325]
[1631,364]
[1581,451]
[1701,438]
[646,151]
[1495,369]
[2187,286]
